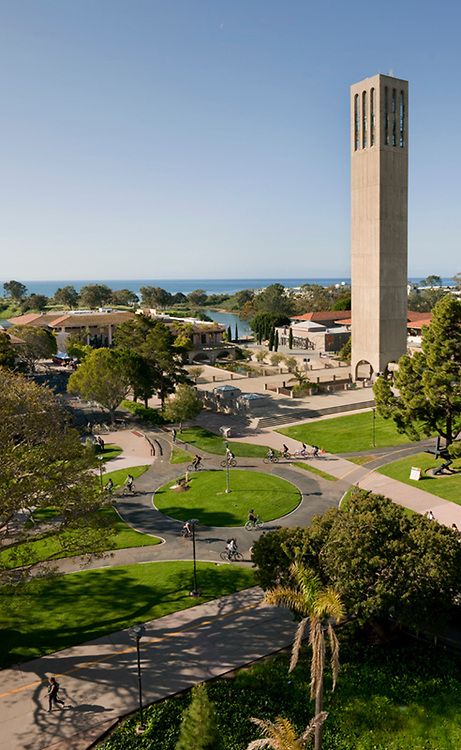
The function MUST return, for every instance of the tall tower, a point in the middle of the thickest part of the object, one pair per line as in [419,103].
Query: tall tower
[379,198]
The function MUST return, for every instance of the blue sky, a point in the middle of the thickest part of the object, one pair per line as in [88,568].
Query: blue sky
[210,138]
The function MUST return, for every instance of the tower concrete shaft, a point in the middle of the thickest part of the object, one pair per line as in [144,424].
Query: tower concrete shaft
[379,207]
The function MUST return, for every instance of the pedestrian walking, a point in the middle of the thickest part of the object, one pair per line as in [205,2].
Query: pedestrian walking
[430,515]
[53,689]
[173,435]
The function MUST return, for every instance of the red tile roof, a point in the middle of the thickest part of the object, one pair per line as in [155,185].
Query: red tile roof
[320,317]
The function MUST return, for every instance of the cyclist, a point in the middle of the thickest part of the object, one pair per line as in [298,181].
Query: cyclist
[196,462]
[303,451]
[285,451]
[129,484]
[229,455]
[252,517]
[270,454]
[186,529]
[315,450]
[231,547]
[109,486]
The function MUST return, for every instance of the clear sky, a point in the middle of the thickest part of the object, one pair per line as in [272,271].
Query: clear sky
[210,138]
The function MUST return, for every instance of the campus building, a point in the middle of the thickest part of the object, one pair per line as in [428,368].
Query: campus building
[379,198]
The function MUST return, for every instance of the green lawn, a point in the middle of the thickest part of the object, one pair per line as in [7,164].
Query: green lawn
[347,434]
[204,440]
[47,615]
[314,470]
[119,475]
[447,487]
[402,696]
[122,537]
[207,500]
[180,456]
[110,451]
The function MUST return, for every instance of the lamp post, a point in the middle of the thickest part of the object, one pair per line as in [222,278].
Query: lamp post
[374,428]
[100,459]
[228,489]
[137,632]
[195,591]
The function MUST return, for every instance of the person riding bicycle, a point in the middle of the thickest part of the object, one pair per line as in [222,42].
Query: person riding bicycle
[270,454]
[315,450]
[252,517]
[231,547]
[187,529]
[229,455]
[196,462]
[285,451]
[303,450]
[129,483]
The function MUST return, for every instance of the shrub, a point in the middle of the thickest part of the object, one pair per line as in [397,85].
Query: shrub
[144,413]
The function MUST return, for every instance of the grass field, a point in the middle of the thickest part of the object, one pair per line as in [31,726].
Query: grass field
[348,434]
[207,500]
[204,440]
[402,696]
[54,545]
[448,487]
[119,475]
[47,615]
[314,470]
[180,456]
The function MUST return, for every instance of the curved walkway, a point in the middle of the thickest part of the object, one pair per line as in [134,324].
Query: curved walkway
[317,495]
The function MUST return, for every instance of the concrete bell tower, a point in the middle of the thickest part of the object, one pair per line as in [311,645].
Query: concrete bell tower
[379,207]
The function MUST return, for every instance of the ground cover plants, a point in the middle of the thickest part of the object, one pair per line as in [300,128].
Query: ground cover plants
[204,440]
[448,487]
[47,615]
[396,696]
[206,500]
[348,434]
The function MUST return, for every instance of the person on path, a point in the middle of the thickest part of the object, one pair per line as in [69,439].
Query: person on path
[173,435]
[196,462]
[285,451]
[129,483]
[53,689]
[109,486]
[430,515]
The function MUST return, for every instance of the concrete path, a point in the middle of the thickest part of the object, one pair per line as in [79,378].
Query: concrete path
[136,450]
[99,679]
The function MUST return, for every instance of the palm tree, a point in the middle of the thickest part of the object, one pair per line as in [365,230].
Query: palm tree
[281,735]
[319,608]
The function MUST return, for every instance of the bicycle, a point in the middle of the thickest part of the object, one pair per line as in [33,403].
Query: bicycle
[194,467]
[229,462]
[231,556]
[253,525]
[186,534]
[271,460]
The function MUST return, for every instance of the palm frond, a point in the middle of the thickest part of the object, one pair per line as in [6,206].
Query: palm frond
[334,646]
[317,643]
[308,583]
[284,596]
[278,735]
[328,604]
[312,726]
[300,630]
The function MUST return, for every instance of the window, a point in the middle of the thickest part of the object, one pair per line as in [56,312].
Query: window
[394,117]
[386,116]
[364,119]
[356,122]
[372,117]
[203,338]
[402,119]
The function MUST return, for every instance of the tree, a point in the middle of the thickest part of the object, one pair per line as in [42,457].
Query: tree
[67,296]
[195,373]
[276,341]
[345,353]
[388,567]
[39,343]
[7,353]
[290,363]
[15,290]
[44,464]
[236,335]
[34,302]
[302,380]
[424,300]
[426,396]
[95,295]
[274,300]
[155,296]
[199,729]
[319,608]
[124,297]
[290,338]
[141,375]
[432,280]
[197,298]
[102,377]
[260,356]
[264,323]
[344,302]
[281,735]
[183,405]
[457,280]
[276,359]
[229,333]
[271,340]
